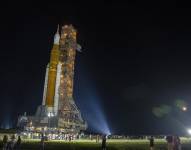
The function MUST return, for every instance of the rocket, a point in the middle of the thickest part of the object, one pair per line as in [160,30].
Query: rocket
[58,85]
[58,88]
[58,107]
[50,95]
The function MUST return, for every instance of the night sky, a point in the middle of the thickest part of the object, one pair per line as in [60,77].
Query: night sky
[135,65]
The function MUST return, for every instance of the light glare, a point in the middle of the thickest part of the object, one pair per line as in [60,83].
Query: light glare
[184,108]
[189,131]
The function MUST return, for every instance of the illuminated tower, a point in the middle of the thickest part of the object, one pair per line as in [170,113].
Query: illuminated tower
[58,109]
[69,115]
[58,89]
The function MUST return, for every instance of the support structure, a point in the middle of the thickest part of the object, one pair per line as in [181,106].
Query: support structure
[58,109]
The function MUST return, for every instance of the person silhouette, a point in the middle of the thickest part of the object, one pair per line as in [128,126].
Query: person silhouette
[5,141]
[103,145]
[169,140]
[18,143]
[42,141]
[151,143]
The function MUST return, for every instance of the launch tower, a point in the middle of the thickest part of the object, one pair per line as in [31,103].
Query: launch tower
[58,110]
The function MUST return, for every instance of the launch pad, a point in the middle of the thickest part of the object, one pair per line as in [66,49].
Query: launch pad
[58,112]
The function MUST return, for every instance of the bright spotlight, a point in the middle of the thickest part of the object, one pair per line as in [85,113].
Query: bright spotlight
[189,131]
[50,114]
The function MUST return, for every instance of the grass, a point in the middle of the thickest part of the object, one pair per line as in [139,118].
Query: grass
[92,145]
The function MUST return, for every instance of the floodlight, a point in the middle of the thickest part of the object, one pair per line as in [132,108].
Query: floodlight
[49,114]
[52,114]
[189,131]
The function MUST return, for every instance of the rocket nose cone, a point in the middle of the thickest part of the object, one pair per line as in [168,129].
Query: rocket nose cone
[56,38]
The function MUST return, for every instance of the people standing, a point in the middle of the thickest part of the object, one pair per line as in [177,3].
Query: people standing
[97,138]
[176,143]
[18,143]
[70,137]
[103,142]
[42,142]
[169,140]
[5,141]
[179,143]
[11,143]
[151,143]
[90,137]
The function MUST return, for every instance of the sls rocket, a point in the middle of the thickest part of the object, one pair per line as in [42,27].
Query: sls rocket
[52,78]
[58,107]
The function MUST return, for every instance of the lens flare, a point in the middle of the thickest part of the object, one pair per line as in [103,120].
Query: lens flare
[184,108]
